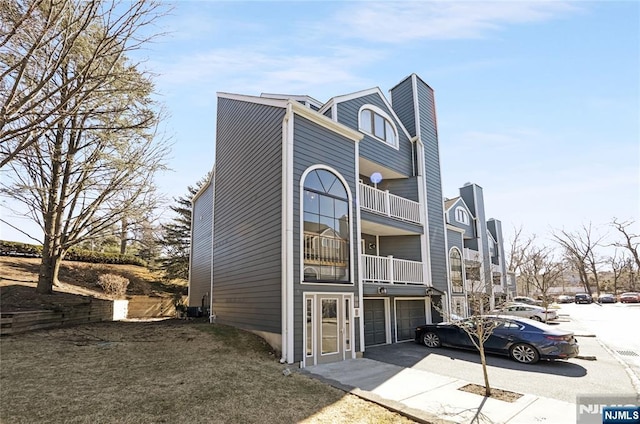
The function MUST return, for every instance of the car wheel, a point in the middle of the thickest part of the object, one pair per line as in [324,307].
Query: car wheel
[536,318]
[431,339]
[524,353]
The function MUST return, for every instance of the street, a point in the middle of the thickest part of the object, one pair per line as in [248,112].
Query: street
[600,372]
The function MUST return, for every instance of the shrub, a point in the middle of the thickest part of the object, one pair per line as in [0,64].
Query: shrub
[113,285]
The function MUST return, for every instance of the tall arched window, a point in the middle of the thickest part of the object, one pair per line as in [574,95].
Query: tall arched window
[455,264]
[326,228]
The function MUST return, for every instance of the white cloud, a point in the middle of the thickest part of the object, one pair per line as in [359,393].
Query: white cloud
[397,22]
[253,70]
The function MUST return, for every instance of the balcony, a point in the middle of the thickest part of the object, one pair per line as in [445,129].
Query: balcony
[472,255]
[385,203]
[389,270]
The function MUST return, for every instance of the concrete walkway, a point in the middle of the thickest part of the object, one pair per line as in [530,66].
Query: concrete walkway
[431,398]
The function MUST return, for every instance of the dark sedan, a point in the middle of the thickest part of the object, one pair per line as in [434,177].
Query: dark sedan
[522,339]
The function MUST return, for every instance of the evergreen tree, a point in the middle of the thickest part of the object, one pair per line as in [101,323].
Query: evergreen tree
[176,235]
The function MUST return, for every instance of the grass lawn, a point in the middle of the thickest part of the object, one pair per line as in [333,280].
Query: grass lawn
[163,372]
[150,372]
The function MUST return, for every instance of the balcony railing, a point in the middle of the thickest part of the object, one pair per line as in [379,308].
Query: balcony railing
[387,269]
[388,204]
[472,255]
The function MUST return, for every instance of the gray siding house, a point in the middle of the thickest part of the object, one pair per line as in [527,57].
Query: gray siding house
[322,228]
[476,252]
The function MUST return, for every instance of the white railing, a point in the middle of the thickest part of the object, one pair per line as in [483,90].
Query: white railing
[387,269]
[388,204]
[472,255]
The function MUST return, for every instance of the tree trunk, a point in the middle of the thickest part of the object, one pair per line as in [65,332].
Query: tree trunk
[487,387]
[49,268]
[483,359]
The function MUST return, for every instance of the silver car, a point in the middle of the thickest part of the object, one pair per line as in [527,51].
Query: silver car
[537,313]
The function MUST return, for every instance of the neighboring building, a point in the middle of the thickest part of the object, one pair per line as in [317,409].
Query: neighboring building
[322,228]
[476,252]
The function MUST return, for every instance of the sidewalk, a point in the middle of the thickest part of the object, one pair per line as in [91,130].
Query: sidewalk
[431,398]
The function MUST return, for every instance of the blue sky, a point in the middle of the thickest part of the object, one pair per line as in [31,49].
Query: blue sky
[538,103]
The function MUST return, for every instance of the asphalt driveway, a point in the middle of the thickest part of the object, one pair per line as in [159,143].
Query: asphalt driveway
[561,380]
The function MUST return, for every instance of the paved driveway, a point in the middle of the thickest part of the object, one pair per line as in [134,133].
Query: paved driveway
[561,380]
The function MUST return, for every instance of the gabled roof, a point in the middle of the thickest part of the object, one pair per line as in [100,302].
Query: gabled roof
[297,97]
[298,109]
[449,203]
[375,90]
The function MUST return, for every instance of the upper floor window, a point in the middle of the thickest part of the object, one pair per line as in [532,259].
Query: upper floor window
[375,122]
[455,263]
[462,216]
[326,228]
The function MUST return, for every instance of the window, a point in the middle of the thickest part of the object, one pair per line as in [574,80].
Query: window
[455,263]
[462,216]
[375,122]
[326,228]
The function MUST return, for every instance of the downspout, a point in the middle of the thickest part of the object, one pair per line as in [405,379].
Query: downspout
[287,237]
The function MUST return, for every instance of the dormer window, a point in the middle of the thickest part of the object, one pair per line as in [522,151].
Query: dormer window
[462,216]
[378,124]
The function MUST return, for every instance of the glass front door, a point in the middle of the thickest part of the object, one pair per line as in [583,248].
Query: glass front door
[328,327]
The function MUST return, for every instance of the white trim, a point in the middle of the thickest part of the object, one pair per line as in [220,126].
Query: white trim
[427,314]
[386,117]
[425,251]
[456,229]
[282,103]
[359,252]
[297,97]
[212,315]
[307,360]
[375,90]
[352,264]
[325,122]
[387,320]
[299,109]
[449,283]
[287,237]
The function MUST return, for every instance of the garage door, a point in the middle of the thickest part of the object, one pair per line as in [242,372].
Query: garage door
[375,330]
[409,314]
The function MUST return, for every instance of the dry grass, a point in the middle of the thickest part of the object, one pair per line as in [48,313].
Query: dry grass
[78,280]
[163,372]
[149,372]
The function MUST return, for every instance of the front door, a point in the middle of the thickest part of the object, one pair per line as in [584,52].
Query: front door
[329,328]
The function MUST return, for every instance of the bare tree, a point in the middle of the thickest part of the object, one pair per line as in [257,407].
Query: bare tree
[92,136]
[518,251]
[631,241]
[617,263]
[542,271]
[579,248]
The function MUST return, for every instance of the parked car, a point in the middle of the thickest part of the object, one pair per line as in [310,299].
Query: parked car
[523,310]
[527,300]
[522,339]
[607,298]
[630,297]
[583,298]
[564,298]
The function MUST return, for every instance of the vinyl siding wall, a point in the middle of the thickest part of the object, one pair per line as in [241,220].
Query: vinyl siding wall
[370,147]
[403,104]
[435,205]
[315,145]
[248,216]
[468,228]
[201,254]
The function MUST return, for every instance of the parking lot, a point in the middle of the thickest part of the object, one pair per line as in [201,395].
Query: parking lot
[602,373]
